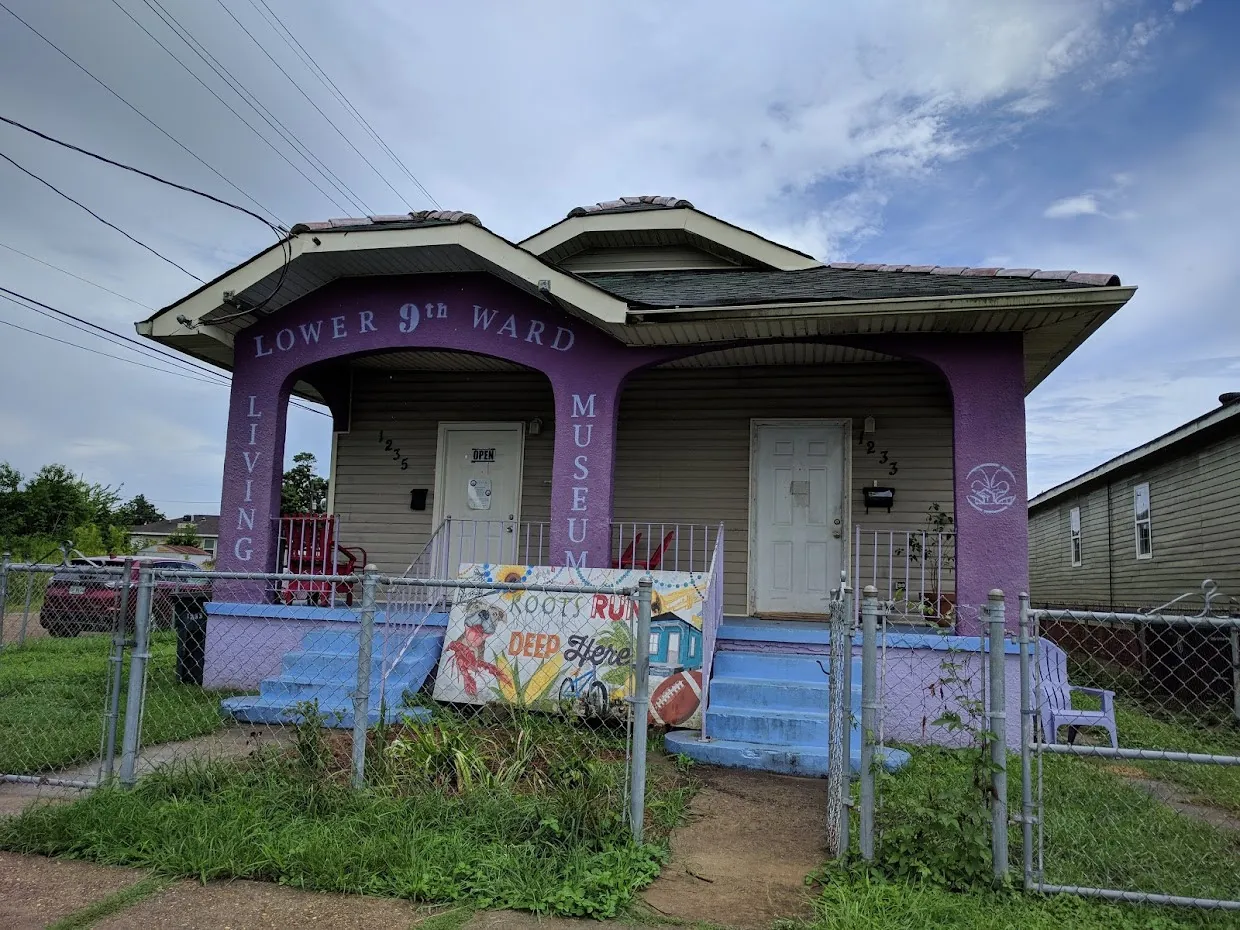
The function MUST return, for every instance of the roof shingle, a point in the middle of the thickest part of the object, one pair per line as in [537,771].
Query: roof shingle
[836,281]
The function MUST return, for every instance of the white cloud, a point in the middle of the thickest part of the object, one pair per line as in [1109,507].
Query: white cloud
[800,122]
[1183,6]
[1080,205]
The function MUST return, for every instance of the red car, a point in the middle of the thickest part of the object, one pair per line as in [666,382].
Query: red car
[85,596]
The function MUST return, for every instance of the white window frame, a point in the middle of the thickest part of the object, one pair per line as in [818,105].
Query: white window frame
[1074,536]
[1137,520]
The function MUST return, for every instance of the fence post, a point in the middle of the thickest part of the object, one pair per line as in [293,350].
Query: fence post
[998,729]
[361,693]
[4,594]
[837,728]
[117,662]
[137,679]
[1026,746]
[641,703]
[850,626]
[869,708]
[21,633]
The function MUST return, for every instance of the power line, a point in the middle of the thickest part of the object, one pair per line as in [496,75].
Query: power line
[134,239]
[103,332]
[317,108]
[222,72]
[189,363]
[163,131]
[131,361]
[226,104]
[146,174]
[5,245]
[298,49]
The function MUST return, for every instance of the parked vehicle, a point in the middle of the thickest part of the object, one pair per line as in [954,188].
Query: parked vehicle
[85,596]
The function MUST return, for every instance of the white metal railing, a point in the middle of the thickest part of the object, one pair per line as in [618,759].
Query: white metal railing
[914,571]
[712,619]
[494,542]
[663,546]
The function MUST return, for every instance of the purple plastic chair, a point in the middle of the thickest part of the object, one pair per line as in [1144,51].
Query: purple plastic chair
[1056,708]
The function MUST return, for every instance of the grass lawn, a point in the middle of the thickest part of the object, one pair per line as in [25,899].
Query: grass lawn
[1101,830]
[53,694]
[491,810]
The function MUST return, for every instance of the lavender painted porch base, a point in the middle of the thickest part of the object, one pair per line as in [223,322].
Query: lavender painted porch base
[921,675]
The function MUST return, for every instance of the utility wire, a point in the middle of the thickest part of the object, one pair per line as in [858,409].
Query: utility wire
[78,323]
[5,245]
[298,49]
[235,84]
[162,131]
[211,90]
[317,108]
[52,187]
[279,231]
[133,361]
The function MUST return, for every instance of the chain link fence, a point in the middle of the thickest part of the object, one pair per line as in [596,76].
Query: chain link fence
[934,727]
[1133,752]
[500,679]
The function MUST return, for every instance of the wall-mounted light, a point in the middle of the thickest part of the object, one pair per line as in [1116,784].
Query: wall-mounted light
[867,427]
[535,426]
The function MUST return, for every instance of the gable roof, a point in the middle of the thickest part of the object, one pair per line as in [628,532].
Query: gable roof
[835,282]
[1205,428]
[772,293]
[651,220]
[204,525]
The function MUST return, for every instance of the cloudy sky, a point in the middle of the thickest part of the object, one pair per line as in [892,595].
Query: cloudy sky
[1101,135]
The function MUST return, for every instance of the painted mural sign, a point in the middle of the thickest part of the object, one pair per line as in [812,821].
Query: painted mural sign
[573,653]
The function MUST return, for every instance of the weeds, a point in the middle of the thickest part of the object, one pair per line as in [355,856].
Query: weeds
[487,808]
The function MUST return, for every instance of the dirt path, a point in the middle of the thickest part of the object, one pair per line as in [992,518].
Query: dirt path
[1178,799]
[742,859]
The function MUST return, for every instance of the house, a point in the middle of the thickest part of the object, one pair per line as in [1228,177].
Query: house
[207,526]
[189,554]
[638,374]
[1147,526]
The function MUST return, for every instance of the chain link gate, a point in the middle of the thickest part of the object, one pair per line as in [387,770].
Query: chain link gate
[115,672]
[1130,753]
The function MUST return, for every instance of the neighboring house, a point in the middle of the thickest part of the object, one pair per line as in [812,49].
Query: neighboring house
[1148,525]
[165,552]
[207,526]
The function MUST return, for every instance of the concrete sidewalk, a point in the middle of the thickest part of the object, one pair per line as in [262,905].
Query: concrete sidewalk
[37,892]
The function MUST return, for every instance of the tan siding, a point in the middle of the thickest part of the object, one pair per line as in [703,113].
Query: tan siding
[1195,524]
[372,493]
[643,259]
[1052,576]
[683,444]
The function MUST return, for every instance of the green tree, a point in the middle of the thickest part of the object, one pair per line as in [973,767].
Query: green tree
[186,535]
[56,500]
[137,512]
[303,491]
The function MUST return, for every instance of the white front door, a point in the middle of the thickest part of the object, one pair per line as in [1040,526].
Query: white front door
[799,514]
[478,485]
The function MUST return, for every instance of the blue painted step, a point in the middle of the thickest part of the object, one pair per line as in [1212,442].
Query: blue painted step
[767,709]
[324,669]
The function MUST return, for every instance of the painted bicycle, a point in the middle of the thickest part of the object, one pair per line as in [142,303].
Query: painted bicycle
[586,691]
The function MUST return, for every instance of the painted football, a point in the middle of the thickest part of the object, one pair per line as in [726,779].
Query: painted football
[676,698]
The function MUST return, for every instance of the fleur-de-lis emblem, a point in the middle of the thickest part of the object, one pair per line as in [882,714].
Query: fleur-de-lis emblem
[992,488]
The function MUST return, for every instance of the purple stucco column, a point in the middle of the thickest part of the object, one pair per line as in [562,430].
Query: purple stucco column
[456,313]
[987,381]
[253,470]
[583,469]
